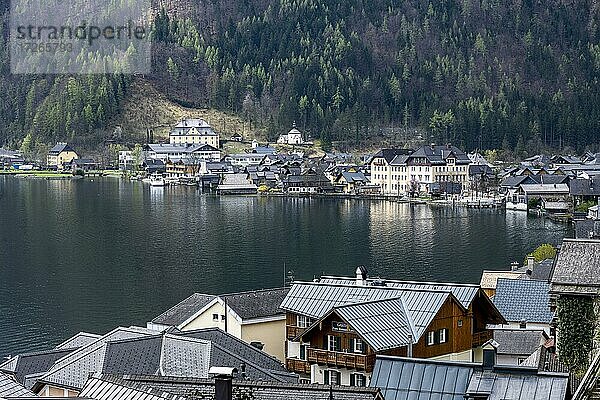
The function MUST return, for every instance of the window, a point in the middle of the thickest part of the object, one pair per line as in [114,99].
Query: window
[358,380]
[215,317]
[222,317]
[303,351]
[334,343]
[304,381]
[442,335]
[359,346]
[331,377]
[430,338]
[460,323]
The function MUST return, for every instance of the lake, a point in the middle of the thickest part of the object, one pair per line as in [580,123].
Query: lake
[89,255]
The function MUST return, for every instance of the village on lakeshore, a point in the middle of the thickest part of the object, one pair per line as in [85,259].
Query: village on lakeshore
[558,186]
[528,332]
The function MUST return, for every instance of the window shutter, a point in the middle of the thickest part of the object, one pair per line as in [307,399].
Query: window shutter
[338,343]
[351,349]
[302,352]
[326,377]
[338,375]
[325,342]
[446,334]
[352,380]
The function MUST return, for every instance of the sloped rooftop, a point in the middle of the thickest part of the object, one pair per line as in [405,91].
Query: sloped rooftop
[523,300]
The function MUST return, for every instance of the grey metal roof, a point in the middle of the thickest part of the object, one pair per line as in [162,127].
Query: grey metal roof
[519,342]
[577,267]
[440,153]
[415,379]
[465,293]
[501,386]
[384,324]
[11,388]
[546,188]
[203,389]
[99,389]
[316,299]
[523,300]
[584,228]
[184,310]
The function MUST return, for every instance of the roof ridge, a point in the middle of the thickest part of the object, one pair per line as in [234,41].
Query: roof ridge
[402,281]
[428,290]
[252,291]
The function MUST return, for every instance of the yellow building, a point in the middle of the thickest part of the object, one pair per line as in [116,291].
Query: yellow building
[252,316]
[61,155]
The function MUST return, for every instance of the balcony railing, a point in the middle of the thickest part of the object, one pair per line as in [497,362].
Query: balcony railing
[293,331]
[341,359]
[297,366]
[480,338]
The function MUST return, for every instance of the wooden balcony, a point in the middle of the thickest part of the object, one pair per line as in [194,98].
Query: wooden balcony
[480,338]
[341,360]
[293,331]
[297,366]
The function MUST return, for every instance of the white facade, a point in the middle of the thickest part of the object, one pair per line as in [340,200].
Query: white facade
[244,159]
[411,173]
[194,131]
[294,136]
[190,153]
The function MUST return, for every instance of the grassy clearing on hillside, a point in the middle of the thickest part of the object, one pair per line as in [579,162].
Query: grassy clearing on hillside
[147,108]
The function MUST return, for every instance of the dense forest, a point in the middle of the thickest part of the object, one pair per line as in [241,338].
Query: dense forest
[520,76]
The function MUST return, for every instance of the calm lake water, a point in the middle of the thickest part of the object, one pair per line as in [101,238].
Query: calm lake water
[93,254]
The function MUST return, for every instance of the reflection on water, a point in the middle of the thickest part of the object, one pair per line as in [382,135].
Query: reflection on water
[81,255]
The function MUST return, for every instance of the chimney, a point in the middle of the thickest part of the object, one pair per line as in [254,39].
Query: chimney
[223,382]
[490,350]
[361,276]
[223,388]
[530,262]
[409,352]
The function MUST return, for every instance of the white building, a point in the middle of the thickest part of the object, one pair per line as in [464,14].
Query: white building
[198,152]
[294,136]
[400,172]
[194,131]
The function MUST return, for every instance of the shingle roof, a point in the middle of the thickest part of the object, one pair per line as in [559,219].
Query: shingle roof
[523,300]
[203,389]
[404,379]
[247,305]
[489,279]
[501,386]
[184,310]
[228,350]
[60,147]
[438,154]
[11,388]
[584,187]
[256,303]
[577,267]
[390,154]
[78,340]
[73,370]
[519,341]
[26,364]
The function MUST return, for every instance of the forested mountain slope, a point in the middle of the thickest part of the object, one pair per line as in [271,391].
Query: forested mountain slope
[518,75]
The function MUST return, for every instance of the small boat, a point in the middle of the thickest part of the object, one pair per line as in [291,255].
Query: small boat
[157,181]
